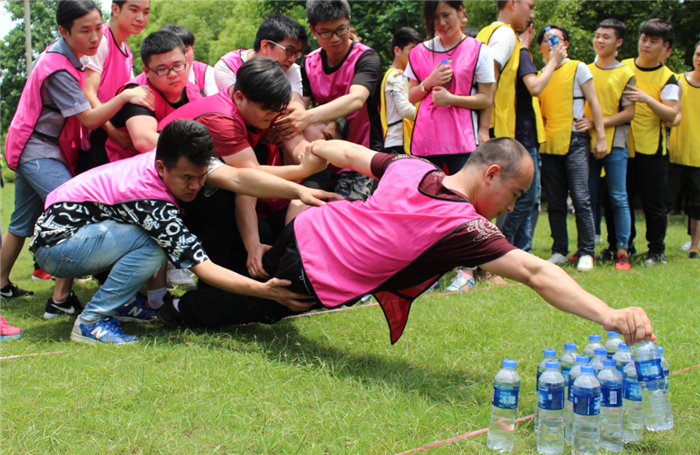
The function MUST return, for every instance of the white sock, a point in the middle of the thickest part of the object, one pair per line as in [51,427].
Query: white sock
[176,304]
[155,298]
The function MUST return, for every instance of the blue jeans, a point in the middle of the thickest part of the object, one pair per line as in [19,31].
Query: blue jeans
[615,164]
[125,249]
[518,225]
[34,180]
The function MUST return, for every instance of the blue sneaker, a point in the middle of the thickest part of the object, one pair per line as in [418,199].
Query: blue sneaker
[136,311]
[107,330]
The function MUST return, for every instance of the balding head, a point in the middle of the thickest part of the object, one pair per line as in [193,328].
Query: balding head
[507,153]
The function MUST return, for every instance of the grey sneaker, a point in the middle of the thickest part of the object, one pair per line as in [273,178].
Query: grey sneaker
[558,259]
[654,259]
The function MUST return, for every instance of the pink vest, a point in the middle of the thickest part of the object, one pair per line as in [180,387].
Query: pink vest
[266,207]
[163,109]
[234,60]
[116,72]
[341,271]
[200,74]
[127,180]
[328,87]
[445,130]
[31,104]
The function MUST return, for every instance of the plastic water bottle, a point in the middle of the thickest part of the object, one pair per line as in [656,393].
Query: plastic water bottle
[622,357]
[612,343]
[586,433]
[574,374]
[593,344]
[666,367]
[448,84]
[611,385]
[567,360]
[549,354]
[506,388]
[597,361]
[551,37]
[632,411]
[550,400]
[650,373]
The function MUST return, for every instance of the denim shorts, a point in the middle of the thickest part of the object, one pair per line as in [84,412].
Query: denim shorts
[34,180]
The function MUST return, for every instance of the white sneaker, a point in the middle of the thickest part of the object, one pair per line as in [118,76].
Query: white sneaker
[585,263]
[558,259]
[686,246]
[180,277]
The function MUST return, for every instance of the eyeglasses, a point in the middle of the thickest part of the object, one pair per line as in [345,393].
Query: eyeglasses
[165,71]
[339,32]
[291,52]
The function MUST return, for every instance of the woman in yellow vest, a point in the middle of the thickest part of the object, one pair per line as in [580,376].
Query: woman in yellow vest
[565,154]
[611,78]
[684,150]
[656,95]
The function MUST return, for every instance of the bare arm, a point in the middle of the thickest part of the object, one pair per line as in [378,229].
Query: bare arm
[600,148]
[97,116]
[247,222]
[345,155]
[246,159]
[624,116]
[560,290]
[340,107]
[666,110]
[143,130]
[482,100]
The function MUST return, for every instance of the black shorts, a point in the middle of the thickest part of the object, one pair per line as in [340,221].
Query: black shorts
[677,175]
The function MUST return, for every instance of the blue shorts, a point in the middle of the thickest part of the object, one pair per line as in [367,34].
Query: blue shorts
[34,180]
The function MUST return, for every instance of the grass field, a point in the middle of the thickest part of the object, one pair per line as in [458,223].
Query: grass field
[327,384]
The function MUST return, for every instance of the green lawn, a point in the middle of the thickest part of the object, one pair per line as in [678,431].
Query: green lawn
[329,383]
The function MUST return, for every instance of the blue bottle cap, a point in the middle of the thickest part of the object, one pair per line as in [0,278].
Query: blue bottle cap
[552,364]
[582,359]
[632,357]
[601,351]
[623,345]
[445,62]
[587,369]
[613,334]
[661,350]
[549,352]
[507,363]
[594,337]
[609,363]
[570,346]
[546,29]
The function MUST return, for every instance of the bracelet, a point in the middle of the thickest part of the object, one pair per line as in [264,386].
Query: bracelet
[422,88]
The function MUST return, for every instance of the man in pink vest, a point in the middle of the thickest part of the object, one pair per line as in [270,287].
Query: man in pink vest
[324,252]
[45,135]
[103,222]
[343,78]
[165,71]
[201,74]
[107,71]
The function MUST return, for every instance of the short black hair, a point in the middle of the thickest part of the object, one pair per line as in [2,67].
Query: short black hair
[263,80]
[184,138]
[504,151]
[119,3]
[618,26]
[540,35]
[342,127]
[68,11]
[184,33]
[405,36]
[326,10]
[277,27]
[502,4]
[159,42]
[471,31]
[659,28]
[429,8]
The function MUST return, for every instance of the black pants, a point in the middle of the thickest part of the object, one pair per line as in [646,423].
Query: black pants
[96,156]
[647,175]
[212,307]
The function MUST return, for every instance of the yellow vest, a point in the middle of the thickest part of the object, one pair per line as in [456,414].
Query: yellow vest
[609,85]
[407,124]
[557,104]
[684,147]
[503,112]
[647,131]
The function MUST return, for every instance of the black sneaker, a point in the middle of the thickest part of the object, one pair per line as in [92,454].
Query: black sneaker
[654,259]
[11,290]
[693,254]
[71,306]
[606,255]
[168,315]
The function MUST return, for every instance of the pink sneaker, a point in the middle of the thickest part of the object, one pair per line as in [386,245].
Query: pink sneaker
[7,332]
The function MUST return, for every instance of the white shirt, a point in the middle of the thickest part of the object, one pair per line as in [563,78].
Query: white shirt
[97,62]
[583,75]
[226,78]
[210,87]
[397,108]
[502,44]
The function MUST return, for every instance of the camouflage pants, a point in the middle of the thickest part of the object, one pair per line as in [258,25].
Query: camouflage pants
[353,185]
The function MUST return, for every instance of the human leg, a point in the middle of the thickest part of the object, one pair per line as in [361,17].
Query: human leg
[577,175]
[555,184]
[517,225]
[653,170]
[616,171]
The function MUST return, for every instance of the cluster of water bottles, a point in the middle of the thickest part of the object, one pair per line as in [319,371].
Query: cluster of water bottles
[598,400]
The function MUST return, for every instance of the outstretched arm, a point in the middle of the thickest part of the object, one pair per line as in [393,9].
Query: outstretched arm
[562,292]
[344,155]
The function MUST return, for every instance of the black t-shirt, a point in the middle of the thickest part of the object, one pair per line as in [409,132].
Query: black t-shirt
[132,110]
[525,123]
[368,73]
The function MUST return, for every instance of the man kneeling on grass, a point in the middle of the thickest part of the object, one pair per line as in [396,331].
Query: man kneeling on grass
[324,252]
[123,217]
